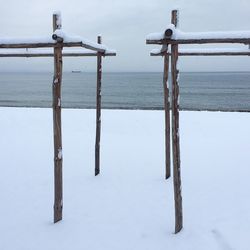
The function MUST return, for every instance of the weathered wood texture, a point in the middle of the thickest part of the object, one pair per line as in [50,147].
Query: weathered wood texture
[49,45]
[175,133]
[98,109]
[57,80]
[204,54]
[174,18]
[167,116]
[85,54]
[199,41]
[215,54]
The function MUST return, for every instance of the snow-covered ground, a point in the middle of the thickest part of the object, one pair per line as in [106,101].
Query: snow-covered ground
[130,205]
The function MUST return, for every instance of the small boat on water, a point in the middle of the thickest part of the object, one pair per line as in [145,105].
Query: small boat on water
[76,71]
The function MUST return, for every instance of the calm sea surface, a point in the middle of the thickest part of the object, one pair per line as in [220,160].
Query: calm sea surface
[198,91]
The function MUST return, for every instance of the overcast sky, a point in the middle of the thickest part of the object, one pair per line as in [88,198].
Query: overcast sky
[123,25]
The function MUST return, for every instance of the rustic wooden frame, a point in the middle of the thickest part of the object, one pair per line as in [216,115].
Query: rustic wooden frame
[174,54]
[56,90]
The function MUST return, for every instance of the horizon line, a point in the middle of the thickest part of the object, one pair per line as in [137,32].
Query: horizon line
[70,71]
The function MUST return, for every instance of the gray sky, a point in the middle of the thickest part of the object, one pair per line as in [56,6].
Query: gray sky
[123,25]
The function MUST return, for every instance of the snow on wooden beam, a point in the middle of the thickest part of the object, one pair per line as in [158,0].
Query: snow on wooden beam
[200,41]
[181,37]
[46,42]
[49,45]
[60,34]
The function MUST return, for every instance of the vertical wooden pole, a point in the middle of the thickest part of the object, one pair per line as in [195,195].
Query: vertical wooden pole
[57,80]
[98,109]
[167,115]
[175,133]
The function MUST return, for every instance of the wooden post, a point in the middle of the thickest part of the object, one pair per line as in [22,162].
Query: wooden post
[58,204]
[175,133]
[167,115]
[98,109]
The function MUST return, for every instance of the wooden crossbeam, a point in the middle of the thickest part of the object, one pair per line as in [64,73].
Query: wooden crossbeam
[48,45]
[205,54]
[66,54]
[199,41]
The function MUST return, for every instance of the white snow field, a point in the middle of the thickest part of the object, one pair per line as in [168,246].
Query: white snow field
[130,205]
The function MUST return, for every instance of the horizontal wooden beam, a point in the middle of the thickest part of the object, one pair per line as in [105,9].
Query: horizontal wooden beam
[215,54]
[29,45]
[206,54]
[88,54]
[199,41]
[49,45]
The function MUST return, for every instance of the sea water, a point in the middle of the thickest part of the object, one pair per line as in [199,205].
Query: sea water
[224,91]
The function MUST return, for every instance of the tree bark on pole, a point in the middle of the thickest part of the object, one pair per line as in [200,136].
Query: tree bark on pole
[167,115]
[98,109]
[57,80]
[175,133]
